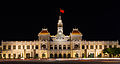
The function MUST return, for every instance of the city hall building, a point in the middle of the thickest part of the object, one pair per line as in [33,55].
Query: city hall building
[57,46]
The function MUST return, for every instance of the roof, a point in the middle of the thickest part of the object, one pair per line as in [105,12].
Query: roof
[44,32]
[76,32]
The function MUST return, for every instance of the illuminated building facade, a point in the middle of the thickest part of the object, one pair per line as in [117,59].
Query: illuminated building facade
[58,46]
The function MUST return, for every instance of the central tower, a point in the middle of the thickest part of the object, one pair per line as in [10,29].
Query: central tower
[60,26]
[60,34]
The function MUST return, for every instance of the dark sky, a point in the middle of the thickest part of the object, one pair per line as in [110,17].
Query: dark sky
[96,21]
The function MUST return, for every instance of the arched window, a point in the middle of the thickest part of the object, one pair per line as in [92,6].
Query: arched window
[27,55]
[60,47]
[64,46]
[60,55]
[68,47]
[69,56]
[83,47]
[43,55]
[55,47]
[55,55]
[51,55]
[76,46]
[76,55]
[19,47]
[83,55]
[51,47]
[64,55]
[43,46]
[9,55]
[91,47]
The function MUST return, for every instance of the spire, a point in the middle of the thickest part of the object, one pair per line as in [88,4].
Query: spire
[60,17]
[60,21]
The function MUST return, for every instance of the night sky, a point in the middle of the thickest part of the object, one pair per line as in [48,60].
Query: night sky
[96,21]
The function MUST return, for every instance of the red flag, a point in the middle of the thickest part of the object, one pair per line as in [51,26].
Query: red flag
[61,10]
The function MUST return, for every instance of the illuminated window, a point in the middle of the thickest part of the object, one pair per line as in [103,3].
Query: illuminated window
[100,46]
[23,47]
[87,46]
[14,56]
[4,47]
[9,47]
[76,55]
[14,47]
[19,47]
[9,55]
[28,46]
[91,46]
[76,46]
[96,47]
[4,55]
[43,46]
[105,46]
[43,55]
[32,46]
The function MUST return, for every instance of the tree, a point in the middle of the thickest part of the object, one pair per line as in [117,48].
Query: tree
[112,51]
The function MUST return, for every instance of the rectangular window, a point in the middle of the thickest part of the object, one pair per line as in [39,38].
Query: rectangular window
[36,47]
[91,46]
[96,47]
[60,47]
[100,46]
[83,47]
[9,47]
[115,46]
[4,55]
[87,46]
[19,47]
[23,47]
[28,46]
[55,47]
[110,46]
[64,46]
[105,46]
[14,55]
[32,46]
[68,47]
[51,47]
[4,47]
[14,47]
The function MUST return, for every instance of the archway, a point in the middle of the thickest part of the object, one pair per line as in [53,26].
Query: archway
[43,55]
[55,55]
[60,55]
[69,56]
[51,55]
[76,55]
[27,55]
[64,55]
